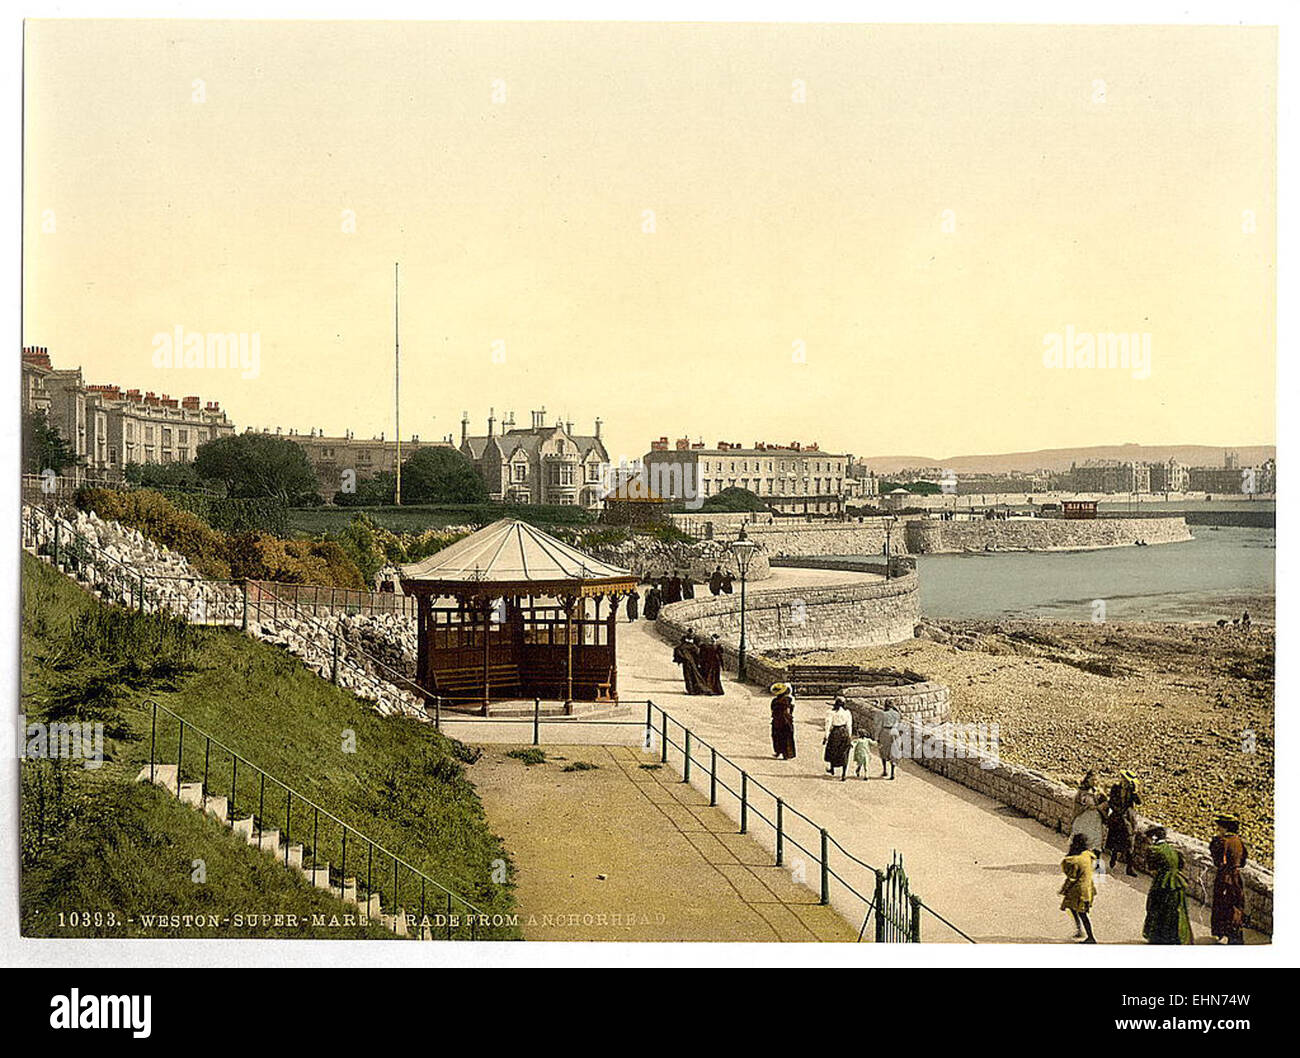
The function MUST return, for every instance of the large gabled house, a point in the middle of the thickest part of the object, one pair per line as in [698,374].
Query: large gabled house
[538,464]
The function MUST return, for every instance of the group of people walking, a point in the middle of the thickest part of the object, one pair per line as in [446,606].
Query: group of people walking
[1108,824]
[701,662]
[669,588]
[837,738]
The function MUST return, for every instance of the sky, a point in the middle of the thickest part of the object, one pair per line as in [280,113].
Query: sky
[866,236]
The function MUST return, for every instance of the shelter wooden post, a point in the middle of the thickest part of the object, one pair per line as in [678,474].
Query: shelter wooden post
[487,654]
[571,605]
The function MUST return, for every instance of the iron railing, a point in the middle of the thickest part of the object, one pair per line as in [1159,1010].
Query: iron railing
[386,886]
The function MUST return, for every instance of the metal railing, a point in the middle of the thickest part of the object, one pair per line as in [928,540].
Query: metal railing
[902,911]
[390,888]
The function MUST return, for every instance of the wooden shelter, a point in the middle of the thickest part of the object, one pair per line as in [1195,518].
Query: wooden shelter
[510,612]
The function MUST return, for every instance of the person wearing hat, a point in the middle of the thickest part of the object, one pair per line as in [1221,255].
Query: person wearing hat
[1088,806]
[1228,851]
[1121,820]
[1166,921]
[711,664]
[782,721]
[1078,891]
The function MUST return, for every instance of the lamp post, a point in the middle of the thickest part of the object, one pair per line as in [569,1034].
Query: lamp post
[742,549]
[889,532]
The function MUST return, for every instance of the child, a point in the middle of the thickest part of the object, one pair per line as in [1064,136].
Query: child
[861,755]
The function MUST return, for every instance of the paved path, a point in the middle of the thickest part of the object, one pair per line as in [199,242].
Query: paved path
[991,871]
[624,851]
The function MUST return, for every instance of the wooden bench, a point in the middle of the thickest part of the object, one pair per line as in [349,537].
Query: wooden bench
[822,680]
[466,683]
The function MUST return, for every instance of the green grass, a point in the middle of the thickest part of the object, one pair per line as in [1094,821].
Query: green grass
[529,756]
[133,857]
[582,765]
[397,781]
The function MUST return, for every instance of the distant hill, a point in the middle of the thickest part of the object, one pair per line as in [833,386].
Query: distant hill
[1061,458]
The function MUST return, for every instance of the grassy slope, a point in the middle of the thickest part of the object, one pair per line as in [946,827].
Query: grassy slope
[133,854]
[396,780]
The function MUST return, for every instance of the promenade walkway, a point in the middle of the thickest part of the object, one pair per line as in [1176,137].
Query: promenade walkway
[991,871]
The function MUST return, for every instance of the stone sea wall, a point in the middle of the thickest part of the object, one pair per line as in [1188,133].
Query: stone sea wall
[869,613]
[932,537]
[943,750]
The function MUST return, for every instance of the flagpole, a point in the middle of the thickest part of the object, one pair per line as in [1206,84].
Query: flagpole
[397,385]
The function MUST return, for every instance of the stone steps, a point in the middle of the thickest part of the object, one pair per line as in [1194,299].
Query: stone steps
[272,842]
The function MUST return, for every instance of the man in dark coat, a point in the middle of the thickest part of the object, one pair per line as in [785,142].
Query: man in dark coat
[711,665]
[652,603]
[726,583]
[673,593]
[1228,852]
[633,604]
[687,655]
[715,581]
[688,587]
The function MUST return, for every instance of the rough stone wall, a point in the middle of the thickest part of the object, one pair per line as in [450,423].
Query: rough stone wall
[1052,804]
[932,537]
[867,614]
[925,703]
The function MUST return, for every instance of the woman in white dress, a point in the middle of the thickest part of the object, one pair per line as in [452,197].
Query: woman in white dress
[1088,804]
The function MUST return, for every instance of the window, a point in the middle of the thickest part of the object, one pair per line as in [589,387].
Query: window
[520,472]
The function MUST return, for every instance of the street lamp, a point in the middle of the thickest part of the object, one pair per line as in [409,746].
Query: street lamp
[742,549]
[890,522]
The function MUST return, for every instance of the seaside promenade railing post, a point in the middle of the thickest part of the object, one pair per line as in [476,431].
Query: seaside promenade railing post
[879,903]
[663,738]
[649,724]
[744,802]
[915,938]
[140,593]
[437,712]
[243,621]
[153,741]
[537,721]
[826,868]
[334,664]
[58,526]
[713,777]
[780,831]
[686,767]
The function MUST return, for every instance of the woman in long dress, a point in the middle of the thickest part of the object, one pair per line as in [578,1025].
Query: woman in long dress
[1088,803]
[839,738]
[886,734]
[1166,921]
[1121,821]
[1228,852]
[782,721]
[1078,891]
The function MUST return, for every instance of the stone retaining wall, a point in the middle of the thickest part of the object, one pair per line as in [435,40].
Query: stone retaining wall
[1052,803]
[871,613]
[924,703]
[933,537]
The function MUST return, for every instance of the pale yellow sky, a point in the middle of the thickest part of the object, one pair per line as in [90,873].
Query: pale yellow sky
[943,199]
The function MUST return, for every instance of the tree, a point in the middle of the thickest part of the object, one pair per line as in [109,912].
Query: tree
[44,447]
[733,499]
[163,475]
[441,475]
[255,465]
[375,491]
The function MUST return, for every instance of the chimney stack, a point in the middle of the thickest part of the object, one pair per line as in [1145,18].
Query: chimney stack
[492,421]
[597,427]
[464,427]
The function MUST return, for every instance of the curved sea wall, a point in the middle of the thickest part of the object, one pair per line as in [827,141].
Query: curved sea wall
[926,537]
[870,613]
[970,758]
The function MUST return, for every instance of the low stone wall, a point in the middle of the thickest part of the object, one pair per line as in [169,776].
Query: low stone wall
[925,703]
[871,613]
[942,750]
[828,538]
[934,537]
